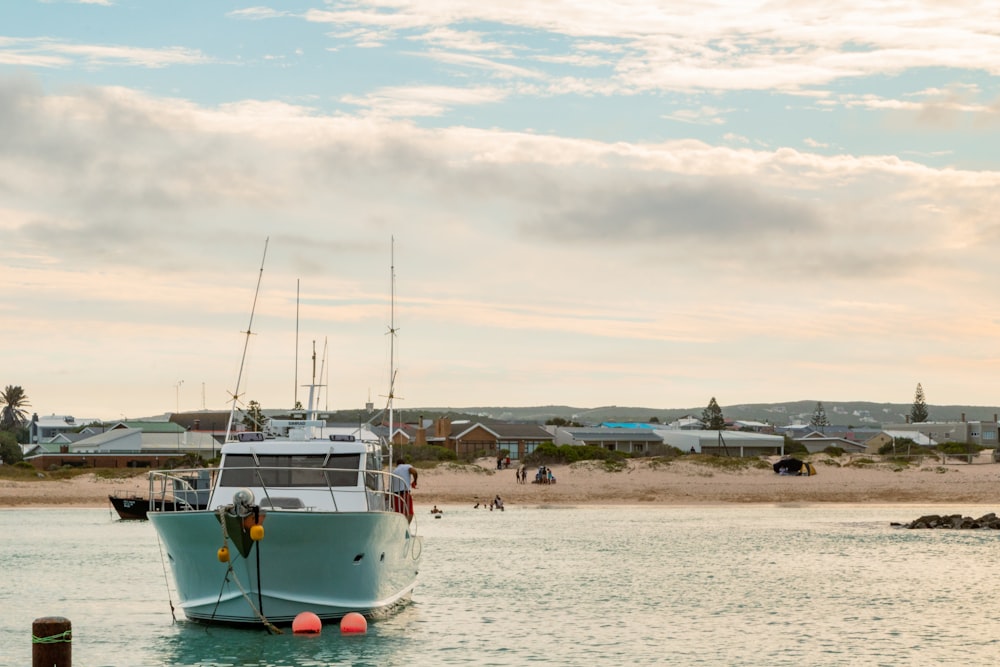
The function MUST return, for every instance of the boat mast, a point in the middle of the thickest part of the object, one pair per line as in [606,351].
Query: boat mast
[392,339]
[324,376]
[311,408]
[295,393]
[246,343]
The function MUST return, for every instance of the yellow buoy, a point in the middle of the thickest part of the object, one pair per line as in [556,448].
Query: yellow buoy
[223,554]
[256,533]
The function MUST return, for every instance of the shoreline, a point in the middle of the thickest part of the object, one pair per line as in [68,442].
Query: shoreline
[642,482]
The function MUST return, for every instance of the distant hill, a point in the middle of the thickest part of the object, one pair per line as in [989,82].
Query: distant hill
[838,413]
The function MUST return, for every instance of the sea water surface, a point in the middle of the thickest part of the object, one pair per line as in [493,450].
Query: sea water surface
[719,585]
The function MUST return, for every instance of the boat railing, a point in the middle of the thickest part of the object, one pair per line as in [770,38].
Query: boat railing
[282,487]
[189,489]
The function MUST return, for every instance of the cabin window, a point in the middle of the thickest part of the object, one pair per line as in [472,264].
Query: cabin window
[291,470]
[373,466]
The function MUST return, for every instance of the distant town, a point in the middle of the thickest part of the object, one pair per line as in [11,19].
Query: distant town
[56,440]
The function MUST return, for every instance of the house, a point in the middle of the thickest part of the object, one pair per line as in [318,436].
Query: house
[883,438]
[687,424]
[754,426]
[981,433]
[125,444]
[725,443]
[44,429]
[817,442]
[641,440]
[473,439]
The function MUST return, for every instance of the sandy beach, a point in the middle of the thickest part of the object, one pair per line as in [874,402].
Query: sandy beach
[641,482]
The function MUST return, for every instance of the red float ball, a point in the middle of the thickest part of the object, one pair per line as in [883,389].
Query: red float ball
[306,623]
[353,623]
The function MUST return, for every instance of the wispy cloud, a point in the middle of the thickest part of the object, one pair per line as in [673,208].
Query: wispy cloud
[415,101]
[258,13]
[705,115]
[705,47]
[43,52]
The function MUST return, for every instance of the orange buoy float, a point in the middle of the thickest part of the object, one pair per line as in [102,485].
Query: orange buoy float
[353,623]
[307,623]
[223,554]
[256,532]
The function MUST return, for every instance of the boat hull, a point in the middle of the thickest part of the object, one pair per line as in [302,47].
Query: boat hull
[328,563]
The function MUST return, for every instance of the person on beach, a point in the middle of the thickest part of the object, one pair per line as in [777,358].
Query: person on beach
[403,481]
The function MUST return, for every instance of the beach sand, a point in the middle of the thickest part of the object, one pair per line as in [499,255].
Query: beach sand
[684,481]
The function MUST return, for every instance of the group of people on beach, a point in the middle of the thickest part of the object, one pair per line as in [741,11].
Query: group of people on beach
[495,503]
[544,476]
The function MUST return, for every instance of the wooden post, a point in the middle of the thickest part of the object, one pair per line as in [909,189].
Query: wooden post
[51,642]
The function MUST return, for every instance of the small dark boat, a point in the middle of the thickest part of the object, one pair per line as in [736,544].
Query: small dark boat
[190,492]
[134,508]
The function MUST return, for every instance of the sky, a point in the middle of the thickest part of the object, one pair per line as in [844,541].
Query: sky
[583,203]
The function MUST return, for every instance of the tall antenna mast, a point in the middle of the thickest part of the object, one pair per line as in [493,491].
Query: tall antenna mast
[323,376]
[392,339]
[295,397]
[246,343]
[311,408]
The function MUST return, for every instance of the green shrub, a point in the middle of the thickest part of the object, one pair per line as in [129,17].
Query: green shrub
[901,446]
[117,473]
[794,447]
[729,463]
[548,453]
[417,454]
[863,462]
[958,448]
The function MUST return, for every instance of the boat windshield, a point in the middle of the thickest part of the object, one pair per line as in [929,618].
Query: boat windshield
[291,470]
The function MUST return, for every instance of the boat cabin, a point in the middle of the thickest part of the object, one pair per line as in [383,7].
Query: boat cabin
[340,473]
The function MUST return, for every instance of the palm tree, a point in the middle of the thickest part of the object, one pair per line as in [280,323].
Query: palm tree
[14,400]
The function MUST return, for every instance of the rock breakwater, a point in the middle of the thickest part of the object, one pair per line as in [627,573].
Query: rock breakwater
[953,522]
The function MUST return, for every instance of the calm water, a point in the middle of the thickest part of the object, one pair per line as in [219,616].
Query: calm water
[745,585]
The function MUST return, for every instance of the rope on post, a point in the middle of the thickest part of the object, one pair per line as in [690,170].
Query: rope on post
[65,636]
[52,642]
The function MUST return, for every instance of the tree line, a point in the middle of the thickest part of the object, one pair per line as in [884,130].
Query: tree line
[714,420]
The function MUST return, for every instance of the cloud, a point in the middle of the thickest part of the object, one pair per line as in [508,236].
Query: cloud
[110,176]
[698,48]
[702,214]
[413,101]
[258,13]
[45,52]
[705,115]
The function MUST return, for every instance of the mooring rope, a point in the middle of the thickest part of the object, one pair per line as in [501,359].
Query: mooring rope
[274,630]
[166,580]
[66,636]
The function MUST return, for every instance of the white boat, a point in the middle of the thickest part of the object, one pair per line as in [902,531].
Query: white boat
[331,543]
[300,519]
